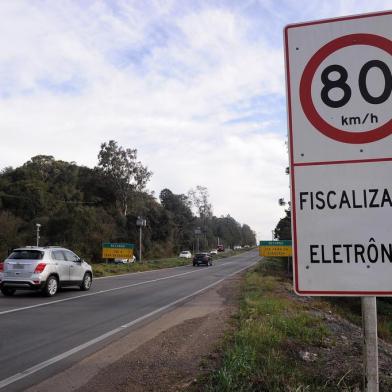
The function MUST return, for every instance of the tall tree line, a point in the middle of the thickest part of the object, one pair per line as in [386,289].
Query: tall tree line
[80,207]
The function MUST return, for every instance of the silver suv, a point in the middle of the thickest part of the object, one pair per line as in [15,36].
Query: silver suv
[43,268]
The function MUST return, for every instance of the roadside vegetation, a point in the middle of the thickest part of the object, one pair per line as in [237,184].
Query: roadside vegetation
[104,269]
[281,342]
[80,208]
[348,307]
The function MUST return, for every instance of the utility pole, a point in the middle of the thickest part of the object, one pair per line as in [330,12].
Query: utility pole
[140,222]
[197,234]
[38,225]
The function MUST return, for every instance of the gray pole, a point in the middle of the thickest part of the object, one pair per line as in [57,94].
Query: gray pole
[37,226]
[370,344]
[140,244]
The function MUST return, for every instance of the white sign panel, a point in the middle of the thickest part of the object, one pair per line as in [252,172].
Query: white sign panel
[339,93]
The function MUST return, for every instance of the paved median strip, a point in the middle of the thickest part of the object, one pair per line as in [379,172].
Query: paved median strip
[58,358]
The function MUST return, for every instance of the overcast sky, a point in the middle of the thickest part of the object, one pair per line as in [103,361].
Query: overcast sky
[197,87]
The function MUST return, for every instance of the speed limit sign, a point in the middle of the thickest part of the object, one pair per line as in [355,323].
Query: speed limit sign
[339,95]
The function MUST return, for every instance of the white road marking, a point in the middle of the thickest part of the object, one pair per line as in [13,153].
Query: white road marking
[140,272]
[57,358]
[100,292]
[92,294]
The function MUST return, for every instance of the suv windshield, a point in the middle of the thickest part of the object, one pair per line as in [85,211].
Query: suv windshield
[26,255]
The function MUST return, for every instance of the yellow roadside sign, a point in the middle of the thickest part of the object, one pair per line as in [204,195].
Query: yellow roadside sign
[275,248]
[117,251]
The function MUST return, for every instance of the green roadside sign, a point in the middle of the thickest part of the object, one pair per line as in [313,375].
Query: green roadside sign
[276,243]
[114,250]
[275,248]
[113,245]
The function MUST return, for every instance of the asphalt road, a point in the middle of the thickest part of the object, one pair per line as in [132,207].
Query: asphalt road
[42,336]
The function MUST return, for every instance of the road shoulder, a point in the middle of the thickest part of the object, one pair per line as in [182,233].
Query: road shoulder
[164,354]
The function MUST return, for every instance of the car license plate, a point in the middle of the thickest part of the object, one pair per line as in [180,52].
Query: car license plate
[18,266]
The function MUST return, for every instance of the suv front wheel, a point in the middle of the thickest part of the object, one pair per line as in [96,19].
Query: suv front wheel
[51,286]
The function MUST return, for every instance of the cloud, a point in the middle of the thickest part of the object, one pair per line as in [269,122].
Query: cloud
[196,87]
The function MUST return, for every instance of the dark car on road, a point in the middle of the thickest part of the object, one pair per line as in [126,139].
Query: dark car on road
[202,258]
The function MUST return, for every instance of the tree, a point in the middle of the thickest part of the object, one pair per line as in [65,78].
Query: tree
[182,219]
[200,199]
[125,172]
[283,228]
[79,207]
[248,235]
[9,228]
[41,166]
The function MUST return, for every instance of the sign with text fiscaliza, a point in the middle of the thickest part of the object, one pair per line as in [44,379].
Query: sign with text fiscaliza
[339,95]
[117,250]
[275,248]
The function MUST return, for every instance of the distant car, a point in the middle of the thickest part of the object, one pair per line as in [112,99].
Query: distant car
[202,258]
[185,254]
[125,261]
[213,252]
[236,247]
[44,268]
[220,248]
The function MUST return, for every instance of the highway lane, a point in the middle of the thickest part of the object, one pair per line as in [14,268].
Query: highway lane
[41,336]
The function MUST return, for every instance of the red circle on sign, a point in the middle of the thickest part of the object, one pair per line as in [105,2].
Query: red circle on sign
[305,90]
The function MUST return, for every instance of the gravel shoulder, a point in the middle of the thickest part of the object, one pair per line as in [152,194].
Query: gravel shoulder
[164,354]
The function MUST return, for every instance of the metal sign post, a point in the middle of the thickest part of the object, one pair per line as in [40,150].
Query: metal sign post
[197,234]
[370,343]
[140,222]
[38,226]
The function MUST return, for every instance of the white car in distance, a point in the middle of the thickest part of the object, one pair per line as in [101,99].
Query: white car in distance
[185,254]
[125,261]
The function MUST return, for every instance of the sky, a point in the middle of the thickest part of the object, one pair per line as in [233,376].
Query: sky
[197,87]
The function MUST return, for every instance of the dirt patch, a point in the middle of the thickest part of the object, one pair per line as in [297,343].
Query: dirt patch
[341,355]
[164,355]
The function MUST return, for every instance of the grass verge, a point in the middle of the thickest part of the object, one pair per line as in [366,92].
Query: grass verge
[262,353]
[104,269]
[280,342]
